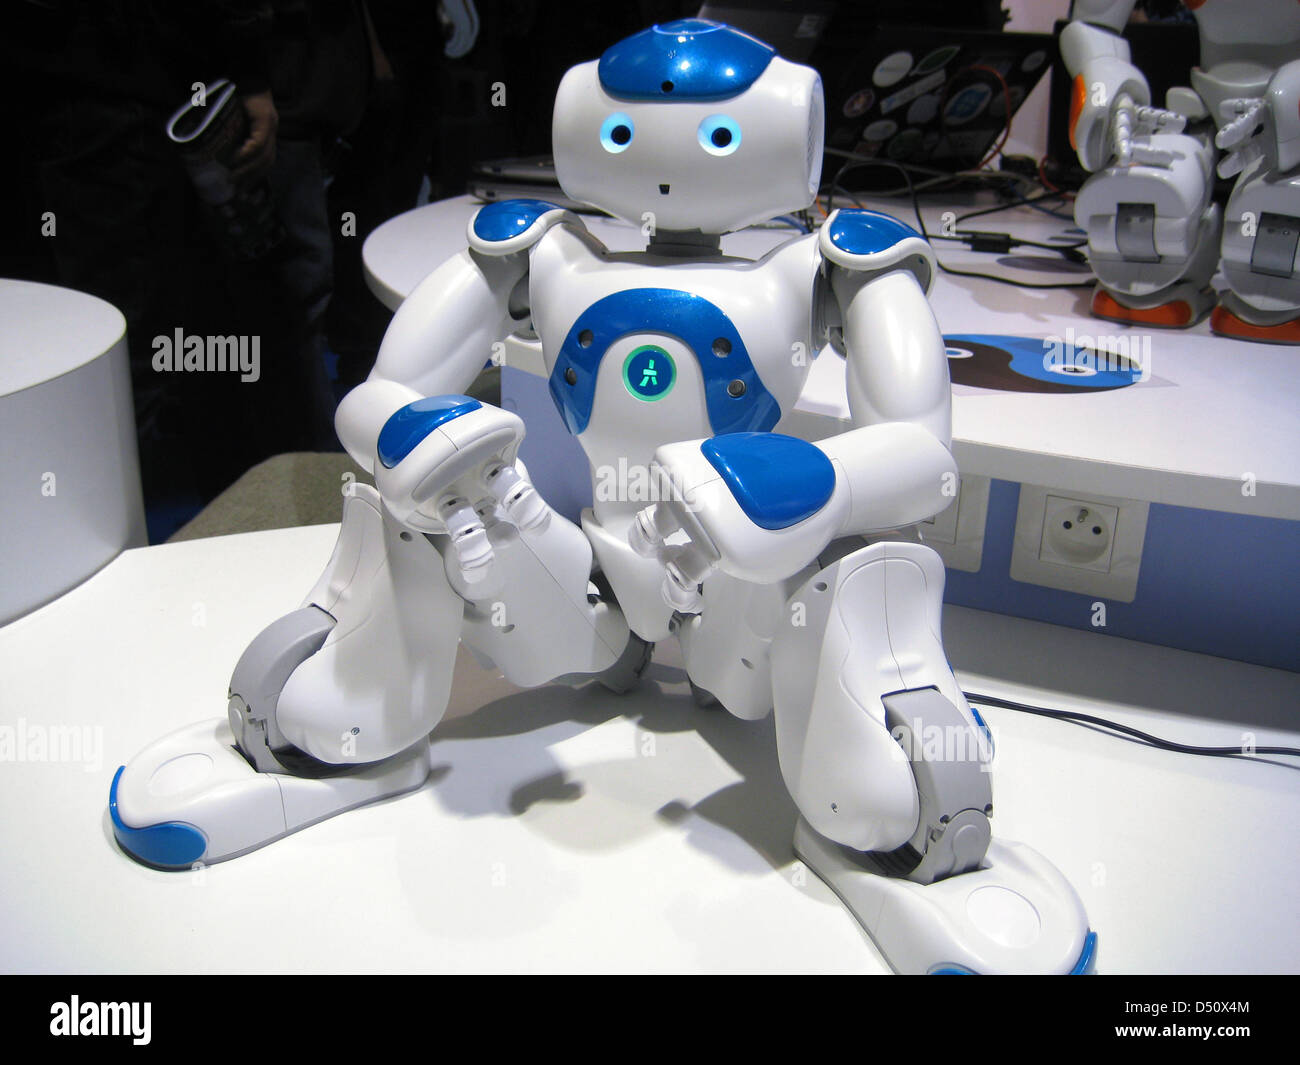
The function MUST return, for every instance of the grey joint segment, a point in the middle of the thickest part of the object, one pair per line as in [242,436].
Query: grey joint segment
[260,675]
[1135,232]
[1273,252]
[955,790]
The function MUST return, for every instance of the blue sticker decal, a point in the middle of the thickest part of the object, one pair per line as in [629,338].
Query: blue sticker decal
[689,59]
[1053,360]
[734,395]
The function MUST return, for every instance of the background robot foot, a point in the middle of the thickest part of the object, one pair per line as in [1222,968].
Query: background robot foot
[192,797]
[1176,307]
[1014,914]
[1235,318]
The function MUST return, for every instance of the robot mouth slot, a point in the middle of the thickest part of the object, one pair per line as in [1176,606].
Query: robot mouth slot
[663,190]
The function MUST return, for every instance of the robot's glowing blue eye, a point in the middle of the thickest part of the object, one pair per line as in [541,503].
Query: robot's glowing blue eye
[719,135]
[616,133]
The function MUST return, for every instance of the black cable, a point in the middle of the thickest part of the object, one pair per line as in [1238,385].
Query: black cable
[1075,717]
[1020,201]
[853,164]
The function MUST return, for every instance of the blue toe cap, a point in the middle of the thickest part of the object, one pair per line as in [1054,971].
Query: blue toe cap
[169,845]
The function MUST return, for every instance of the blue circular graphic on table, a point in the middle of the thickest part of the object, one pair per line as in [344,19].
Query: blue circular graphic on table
[649,372]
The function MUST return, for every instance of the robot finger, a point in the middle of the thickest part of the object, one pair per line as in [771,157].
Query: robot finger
[648,529]
[1235,162]
[471,551]
[1121,131]
[1145,155]
[1250,115]
[517,500]
[1158,120]
[686,569]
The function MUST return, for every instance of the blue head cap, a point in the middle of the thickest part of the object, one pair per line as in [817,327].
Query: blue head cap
[690,59]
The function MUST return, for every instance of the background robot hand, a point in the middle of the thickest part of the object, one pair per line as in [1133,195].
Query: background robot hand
[1249,136]
[1132,124]
[446,466]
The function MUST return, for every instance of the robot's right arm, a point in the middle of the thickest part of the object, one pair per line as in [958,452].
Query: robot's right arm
[443,333]
[437,343]
[1109,99]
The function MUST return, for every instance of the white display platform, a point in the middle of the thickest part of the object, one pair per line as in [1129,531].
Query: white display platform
[576,830]
[70,495]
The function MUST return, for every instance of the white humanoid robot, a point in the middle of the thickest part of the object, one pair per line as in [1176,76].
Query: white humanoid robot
[1154,235]
[677,361]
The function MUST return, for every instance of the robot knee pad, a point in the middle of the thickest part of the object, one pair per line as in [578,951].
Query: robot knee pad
[856,632]
[1261,252]
[1153,232]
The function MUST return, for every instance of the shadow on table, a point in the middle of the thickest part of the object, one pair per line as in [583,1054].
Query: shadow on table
[757,808]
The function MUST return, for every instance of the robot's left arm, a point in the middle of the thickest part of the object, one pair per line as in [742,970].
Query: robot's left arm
[895,463]
[762,506]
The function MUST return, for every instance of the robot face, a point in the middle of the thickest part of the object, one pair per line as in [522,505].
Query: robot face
[695,124]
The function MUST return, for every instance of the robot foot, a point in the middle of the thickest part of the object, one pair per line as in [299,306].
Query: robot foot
[192,798]
[1233,318]
[1014,914]
[1176,307]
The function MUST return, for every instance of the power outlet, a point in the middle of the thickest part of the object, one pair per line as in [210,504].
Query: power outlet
[1079,534]
[957,532]
[1079,543]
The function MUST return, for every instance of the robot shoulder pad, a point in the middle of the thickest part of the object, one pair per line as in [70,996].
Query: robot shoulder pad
[508,226]
[868,242]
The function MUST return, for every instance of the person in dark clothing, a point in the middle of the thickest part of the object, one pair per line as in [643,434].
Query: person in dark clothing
[99,81]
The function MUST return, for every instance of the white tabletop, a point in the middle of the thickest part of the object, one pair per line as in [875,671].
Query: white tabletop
[571,830]
[47,331]
[1213,412]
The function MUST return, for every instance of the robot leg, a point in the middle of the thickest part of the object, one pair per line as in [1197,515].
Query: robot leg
[329,709]
[1153,235]
[889,769]
[727,645]
[1261,258]
[543,618]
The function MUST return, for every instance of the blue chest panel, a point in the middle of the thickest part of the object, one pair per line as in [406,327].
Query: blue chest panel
[690,59]
[408,426]
[508,218]
[866,232]
[733,393]
[778,480]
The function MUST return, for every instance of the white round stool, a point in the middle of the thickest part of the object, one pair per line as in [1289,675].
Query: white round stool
[70,498]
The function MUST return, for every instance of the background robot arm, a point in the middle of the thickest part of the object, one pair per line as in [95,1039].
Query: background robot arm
[1266,128]
[1110,99]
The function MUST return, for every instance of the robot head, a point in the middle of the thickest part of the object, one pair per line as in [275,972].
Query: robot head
[694,123]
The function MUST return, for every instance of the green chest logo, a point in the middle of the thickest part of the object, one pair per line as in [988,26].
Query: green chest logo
[649,372]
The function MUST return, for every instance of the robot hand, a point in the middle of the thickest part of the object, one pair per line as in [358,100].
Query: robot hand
[758,506]
[446,466]
[1249,135]
[1131,126]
